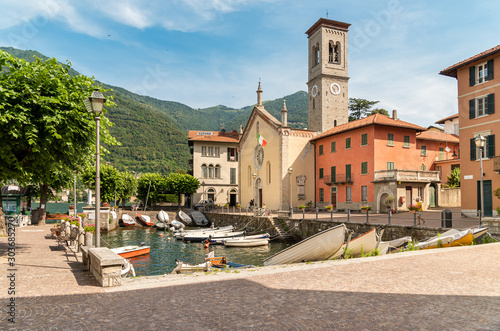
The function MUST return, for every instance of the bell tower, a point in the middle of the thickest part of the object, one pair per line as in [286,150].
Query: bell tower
[328,79]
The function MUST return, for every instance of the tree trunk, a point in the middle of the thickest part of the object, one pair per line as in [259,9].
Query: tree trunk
[44,189]
[179,201]
[3,232]
[123,203]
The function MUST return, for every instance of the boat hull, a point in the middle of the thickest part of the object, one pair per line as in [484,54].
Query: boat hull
[184,218]
[186,268]
[246,242]
[145,219]
[359,245]
[131,251]
[128,221]
[162,216]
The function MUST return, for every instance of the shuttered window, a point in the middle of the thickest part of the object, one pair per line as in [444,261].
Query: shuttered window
[333,174]
[320,173]
[364,139]
[473,149]
[348,172]
[364,168]
[490,146]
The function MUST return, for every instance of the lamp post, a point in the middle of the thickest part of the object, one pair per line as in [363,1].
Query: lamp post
[254,175]
[480,142]
[203,184]
[94,105]
[290,170]
[74,193]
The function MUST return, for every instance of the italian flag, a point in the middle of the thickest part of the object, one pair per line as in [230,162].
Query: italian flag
[262,141]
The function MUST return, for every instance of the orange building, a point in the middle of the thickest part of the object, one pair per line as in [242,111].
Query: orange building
[477,86]
[365,161]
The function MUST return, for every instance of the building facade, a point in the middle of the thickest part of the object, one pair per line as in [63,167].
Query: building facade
[215,165]
[478,83]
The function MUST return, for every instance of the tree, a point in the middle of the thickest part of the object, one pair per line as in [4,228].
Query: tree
[154,183]
[182,184]
[110,181]
[453,179]
[359,108]
[127,186]
[45,131]
[381,111]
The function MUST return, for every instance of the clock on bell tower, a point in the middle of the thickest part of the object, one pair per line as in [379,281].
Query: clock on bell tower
[328,79]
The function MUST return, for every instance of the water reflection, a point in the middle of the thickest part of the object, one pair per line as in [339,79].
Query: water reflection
[165,250]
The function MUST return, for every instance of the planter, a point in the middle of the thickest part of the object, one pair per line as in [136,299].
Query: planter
[88,239]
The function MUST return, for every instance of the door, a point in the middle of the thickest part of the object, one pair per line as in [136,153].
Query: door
[232,199]
[408,196]
[487,194]
[334,197]
[260,198]
[432,196]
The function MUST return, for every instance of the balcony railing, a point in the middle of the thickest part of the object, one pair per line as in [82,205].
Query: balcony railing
[406,175]
[338,179]
[496,164]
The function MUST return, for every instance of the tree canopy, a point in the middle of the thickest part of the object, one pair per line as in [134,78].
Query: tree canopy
[181,184]
[360,108]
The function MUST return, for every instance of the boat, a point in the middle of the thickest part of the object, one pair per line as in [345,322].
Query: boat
[358,246]
[315,248]
[127,268]
[233,265]
[448,239]
[131,251]
[179,235]
[162,216]
[185,268]
[396,244]
[255,236]
[216,261]
[478,234]
[177,224]
[199,237]
[161,226]
[128,220]
[242,242]
[199,218]
[184,218]
[145,219]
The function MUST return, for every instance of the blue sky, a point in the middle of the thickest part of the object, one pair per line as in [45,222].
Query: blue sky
[209,52]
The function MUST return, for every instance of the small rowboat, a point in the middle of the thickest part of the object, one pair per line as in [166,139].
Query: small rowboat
[177,224]
[198,237]
[127,269]
[162,216]
[448,239]
[478,234]
[145,219]
[255,236]
[242,242]
[128,220]
[199,218]
[186,268]
[185,218]
[131,251]
[359,245]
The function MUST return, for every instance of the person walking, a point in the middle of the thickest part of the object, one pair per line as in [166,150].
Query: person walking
[419,212]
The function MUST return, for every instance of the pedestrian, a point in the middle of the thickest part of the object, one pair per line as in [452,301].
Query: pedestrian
[251,205]
[419,212]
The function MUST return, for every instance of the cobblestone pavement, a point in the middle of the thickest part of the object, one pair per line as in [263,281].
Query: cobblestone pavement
[450,289]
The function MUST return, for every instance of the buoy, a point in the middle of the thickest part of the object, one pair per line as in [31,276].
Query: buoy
[161,235]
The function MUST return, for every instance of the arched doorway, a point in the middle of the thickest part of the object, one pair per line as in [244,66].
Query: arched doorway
[258,192]
[432,196]
[232,197]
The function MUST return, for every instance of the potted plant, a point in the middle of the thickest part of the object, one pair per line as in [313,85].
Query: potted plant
[301,207]
[329,208]
[412,208]
[226,205]
[366,208]
[309,205]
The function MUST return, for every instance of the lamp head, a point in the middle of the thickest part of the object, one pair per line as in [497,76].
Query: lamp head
[254,175]
[290,170]
[480,141]
[95,102]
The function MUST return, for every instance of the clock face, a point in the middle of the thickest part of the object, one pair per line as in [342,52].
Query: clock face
[314,91]
[259,156]
[335,88]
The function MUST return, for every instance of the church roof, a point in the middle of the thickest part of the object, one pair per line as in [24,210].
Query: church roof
[214,136]
[377,119]
[330,23]
[438,136]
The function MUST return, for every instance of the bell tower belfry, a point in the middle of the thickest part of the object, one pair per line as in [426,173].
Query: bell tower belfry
[328,79]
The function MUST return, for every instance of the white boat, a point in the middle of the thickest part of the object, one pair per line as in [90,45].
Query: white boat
[161,226]
[237,242]
[255,236]
[184,218]
[478,234]
[198,237]
[363,244]
[181,234]
[315,248]
[447,239]
[162,216]
[145,219]
[199,218]
[212,229]
[185,268]
[127,269]
[177,224]
[396,244]
[131,251]
[128,220]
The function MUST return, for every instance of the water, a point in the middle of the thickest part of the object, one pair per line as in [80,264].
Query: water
[63,207]
[165,250]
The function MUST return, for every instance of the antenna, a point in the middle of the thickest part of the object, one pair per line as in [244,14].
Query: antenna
[327,13]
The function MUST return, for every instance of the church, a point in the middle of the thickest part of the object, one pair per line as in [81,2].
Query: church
[277,162]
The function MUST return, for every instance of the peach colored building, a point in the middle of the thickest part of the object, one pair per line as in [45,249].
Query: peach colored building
[365,161]
[478,82]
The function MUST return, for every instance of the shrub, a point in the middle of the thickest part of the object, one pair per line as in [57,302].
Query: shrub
[329,207]
[366,208]
[89,228]
[302,207]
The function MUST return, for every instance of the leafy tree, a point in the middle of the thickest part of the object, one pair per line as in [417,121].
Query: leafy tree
[154,183]
[381,111]
[359,108]
[453,179]
[110,180]
[45,131]
[182,184]
[127,186]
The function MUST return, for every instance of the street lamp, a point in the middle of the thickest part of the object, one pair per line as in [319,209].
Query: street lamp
[94,105]
[290,170]
[203,184]
[480,143]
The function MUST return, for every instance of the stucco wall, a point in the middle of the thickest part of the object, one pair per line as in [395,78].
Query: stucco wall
[449,197]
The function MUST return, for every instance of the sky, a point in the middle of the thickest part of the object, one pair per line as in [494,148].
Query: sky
[204,53]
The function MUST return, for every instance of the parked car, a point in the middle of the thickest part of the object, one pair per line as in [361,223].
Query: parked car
[205,204]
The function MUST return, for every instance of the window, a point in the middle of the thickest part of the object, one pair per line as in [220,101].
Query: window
[489,148]
[249,176]
[364,139]
[364,193]
[347,143]
[320,173]
[390,139]
[348,196]
[211,194]
[211,171]
[232,154]
[333,52]
[423,167]
[315,54]
[423,150]
[481,106]
[481,73]
[232,178]
[204,173]
[333,147]
[268,172]
[333,174]
[217,171]
[217,151]
[203,150]
[320,149]
[364,168]
[441,153]
[406,141]
[390,165]
[348,172]
[210,151]
[321,195]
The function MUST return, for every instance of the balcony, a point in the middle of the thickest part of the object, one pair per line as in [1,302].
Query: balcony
[406,176]
[338,179]
[496,164]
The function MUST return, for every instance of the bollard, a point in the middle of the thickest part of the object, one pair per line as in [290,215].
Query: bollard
[317,209]
[390,214]
[348,215]
[303,214]
[331,215]
[367,212]
[414,219]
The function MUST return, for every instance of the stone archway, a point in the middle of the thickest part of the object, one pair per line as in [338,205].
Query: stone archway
[382,197]
[258,192]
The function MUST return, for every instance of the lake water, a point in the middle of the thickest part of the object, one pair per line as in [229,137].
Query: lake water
[63,207]
[166,249]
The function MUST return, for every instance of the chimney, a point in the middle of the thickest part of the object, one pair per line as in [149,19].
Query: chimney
[259,96]
[284,113]
[395,114]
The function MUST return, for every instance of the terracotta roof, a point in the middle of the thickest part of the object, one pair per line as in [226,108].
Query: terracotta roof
[215,136]
[449,118]
[438,136]
[452,70]
[330,23]
[377,119]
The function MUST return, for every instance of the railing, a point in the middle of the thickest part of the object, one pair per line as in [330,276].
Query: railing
[338,179]
[406,175]
[496,164]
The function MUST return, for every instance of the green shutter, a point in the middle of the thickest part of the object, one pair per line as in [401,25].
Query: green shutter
[333,147]
[332,174]
[364,139]
[490,70]
[491,104]
[364,167]
[491,146]
[472,76]
[472,108]
[473,149]
[348,172]
[320,173]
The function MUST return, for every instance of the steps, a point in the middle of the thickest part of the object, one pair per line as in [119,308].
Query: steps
[282,234]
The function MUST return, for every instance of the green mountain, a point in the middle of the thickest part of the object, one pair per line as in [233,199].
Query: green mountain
[153,133]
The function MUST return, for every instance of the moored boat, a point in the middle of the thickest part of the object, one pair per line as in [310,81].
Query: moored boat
[363,244]
[396,244]
[198,237]
[185,268]
[145,219]
[162,216]
[478,234]
[131,251]
[199,218]
[184,218]
[315,248]
[127,269]
[448,239]
[255,236]
[237,242]
[161,225]
[177,224]
[128,220]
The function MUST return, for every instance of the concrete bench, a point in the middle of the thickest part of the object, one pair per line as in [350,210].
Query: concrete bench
[105,265]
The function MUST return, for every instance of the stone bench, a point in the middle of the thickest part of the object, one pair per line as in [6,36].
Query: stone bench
[105,265]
